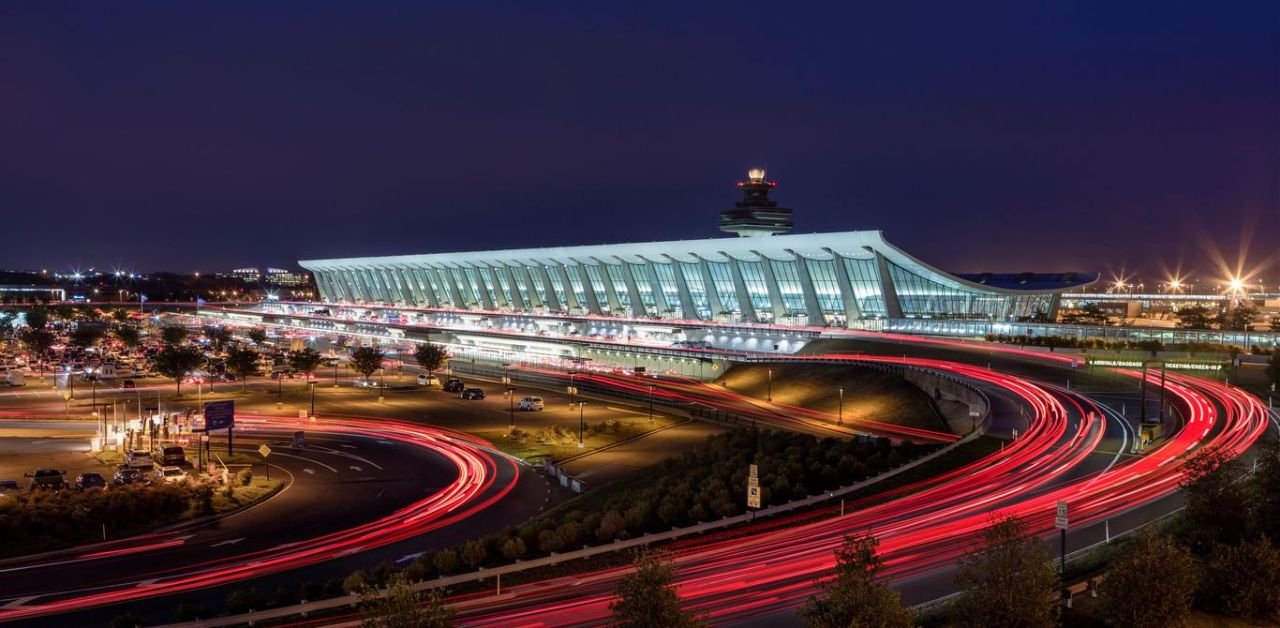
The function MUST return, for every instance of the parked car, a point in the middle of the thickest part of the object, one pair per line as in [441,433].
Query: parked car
[533,404]
[454,384]
[127,475]
[171,474]
[87,481]
[172,456]
[47,479]
[8,487]
[128,383]
[472,393]
[137,459]
[424,380]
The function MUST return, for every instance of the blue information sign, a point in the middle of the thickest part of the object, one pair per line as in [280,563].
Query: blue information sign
[219,415]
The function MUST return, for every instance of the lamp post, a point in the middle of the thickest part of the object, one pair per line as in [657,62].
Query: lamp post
[581,423]
[382,383]
[840,416]
[651,403]
[279,390]
[511,405]
[573,390]
[335,372]
[770,399]
[312,385]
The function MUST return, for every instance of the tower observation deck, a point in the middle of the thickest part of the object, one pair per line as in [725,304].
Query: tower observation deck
[756,214]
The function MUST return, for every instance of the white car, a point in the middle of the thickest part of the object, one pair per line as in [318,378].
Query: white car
[423,380]
[532,404]
[171,474]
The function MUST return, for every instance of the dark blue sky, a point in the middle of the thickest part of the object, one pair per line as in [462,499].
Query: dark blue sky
[979,136]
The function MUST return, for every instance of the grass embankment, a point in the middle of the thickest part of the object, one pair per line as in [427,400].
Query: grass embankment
[869,394]
[560,441]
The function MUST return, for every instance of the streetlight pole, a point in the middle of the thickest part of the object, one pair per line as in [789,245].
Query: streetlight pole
[840,416]
[581,423]
[511,405]
[573,390]
[770,386]
[651,403]
[312,385]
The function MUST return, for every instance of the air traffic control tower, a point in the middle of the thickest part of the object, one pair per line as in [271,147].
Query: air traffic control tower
[756,214]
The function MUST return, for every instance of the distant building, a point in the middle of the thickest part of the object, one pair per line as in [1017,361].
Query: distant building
[282,277]
[247,275]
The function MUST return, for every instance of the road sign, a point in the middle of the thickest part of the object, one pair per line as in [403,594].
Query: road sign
[219,415]
[264,450]
[1060,521]
[753,496]
[755,471]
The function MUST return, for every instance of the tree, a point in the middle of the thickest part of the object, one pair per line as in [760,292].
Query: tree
[129,336]
[243,363]
[1273,369]
[1196,317]
[474,553]
[257,336]
[1217,504]
[37,340]
[217,335]
[645,597]
[175,362]
[120,315]
[1238,318]
[305,361]
[86,335]
[431,357]
[513,548]
[1244,580]
[1267,490]
[366,360]
[400,606]
[173,334]
[1150,584]
[855,596]
[37,317]
[1008,581]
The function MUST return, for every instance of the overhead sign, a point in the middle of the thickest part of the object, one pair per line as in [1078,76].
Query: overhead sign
[1060,521]
[264,450]
[219,415]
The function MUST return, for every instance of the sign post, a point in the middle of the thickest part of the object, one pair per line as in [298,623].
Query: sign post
[753,490]
[1060,522]
[220,415]
[265,451]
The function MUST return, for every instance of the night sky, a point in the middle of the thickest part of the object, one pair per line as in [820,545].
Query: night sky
[1003,136]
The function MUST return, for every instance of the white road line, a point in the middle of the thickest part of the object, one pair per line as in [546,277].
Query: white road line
[230,542]
[16,602]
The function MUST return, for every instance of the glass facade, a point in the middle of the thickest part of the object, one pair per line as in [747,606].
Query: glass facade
[845,277]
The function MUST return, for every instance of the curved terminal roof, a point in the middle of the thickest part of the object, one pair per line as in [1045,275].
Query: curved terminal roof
[820,246]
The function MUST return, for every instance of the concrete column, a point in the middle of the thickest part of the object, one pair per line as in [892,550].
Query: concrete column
[892,306]
[682,289]
[638,307]
[816,315]
[846,288]
[775,294]
[713,295]
[552,299]
[593,304]
[744,295]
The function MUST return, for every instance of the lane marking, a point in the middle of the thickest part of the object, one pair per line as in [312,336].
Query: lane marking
[230,542]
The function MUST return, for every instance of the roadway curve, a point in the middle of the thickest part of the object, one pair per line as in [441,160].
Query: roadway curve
[481,478]
[931,523]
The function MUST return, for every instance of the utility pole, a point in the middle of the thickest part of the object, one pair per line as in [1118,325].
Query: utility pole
[840,416]
[581,423]
[650,403]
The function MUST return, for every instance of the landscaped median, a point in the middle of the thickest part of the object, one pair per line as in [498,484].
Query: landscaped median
[39,521]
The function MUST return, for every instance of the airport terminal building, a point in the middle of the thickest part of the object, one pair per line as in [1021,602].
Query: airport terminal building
[823,279]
